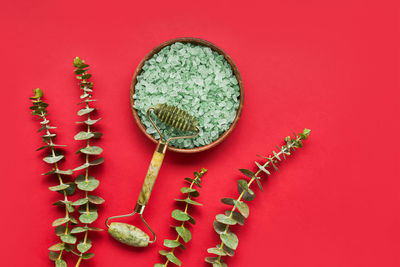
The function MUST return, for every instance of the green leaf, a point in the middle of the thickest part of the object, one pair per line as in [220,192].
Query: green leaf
[225,220]
[219,227]
[239,218]
[228,201]
[243,184]
[261,167]
[193,192]
[88,217]
[189,201]
[53,159]
[259,184]
[67,172]
[180,215]
[211,259]
[249,195]
[57,247]
[68,238]
[89,121]
[95,200]
[96,162]
[91,150]
[88,184]
[83,247]
[78,230]
[87,256]
[53,255]
[163,252]
[83,136]
[85,111]
[60,230]
[59,187]
[171,257]
[184,233]
[61,263]
[158,265]
[37,93]
[80,202]
[173,244]
[230,252]
[77,62]
[247,172]
[304,135]
[60,221]
[70,190]
[242,208]
[216,251]
[83,166]
[230,240]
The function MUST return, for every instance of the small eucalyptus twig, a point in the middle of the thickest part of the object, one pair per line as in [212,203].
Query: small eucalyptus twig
[229,241]
[84,182]
[66,189]
[182,217]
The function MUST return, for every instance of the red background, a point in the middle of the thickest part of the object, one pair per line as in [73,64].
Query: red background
[331,66]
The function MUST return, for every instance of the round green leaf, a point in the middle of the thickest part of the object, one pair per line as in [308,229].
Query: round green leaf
[80,202]
[239,218]
[53,255]
[184,233]
[85,111]
[219,227]
[242,208]
[53,159]
[216,251]
[57,247]
[95,200]
[83,136]
[87,256]
[88,217]
[228,201]
[86,185]
[61,263]
[91,150]
[230,240]
[59,187]
[60,221]
[173,244]
[171,257]
[68,238]
[180,215]
[83,247]
[225,220]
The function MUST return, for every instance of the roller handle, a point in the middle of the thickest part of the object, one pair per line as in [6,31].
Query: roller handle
[152,173]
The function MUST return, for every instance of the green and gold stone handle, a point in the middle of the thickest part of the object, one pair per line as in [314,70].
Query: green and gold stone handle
[180,119]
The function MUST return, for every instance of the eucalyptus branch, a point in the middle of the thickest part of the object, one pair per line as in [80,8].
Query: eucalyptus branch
[85,182]
[182,217]
[65,188]
[229,241]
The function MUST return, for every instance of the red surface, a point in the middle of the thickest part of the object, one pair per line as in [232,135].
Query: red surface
[330,66]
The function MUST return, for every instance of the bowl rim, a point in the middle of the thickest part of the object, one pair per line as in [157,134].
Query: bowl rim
[197,41]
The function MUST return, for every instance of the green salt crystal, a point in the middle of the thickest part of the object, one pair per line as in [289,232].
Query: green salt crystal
[193,78]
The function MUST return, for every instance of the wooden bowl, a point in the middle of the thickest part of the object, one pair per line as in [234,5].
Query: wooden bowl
[196,41]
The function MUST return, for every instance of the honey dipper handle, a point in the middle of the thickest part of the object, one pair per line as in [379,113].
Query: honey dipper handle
[152,173]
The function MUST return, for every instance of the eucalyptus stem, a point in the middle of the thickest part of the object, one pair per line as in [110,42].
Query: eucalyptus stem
[183,217]
[229,241]
[85,182]
[62,224]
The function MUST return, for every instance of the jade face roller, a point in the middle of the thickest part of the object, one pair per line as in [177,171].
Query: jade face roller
[175,117]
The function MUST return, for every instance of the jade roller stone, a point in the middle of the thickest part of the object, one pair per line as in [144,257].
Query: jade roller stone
[128,234]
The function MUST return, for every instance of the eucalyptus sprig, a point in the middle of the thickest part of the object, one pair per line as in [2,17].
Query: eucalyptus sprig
[182,217]
[85,182]
[62,227]
[222,223]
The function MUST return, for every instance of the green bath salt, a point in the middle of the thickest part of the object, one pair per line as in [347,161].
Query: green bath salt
[194,78]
